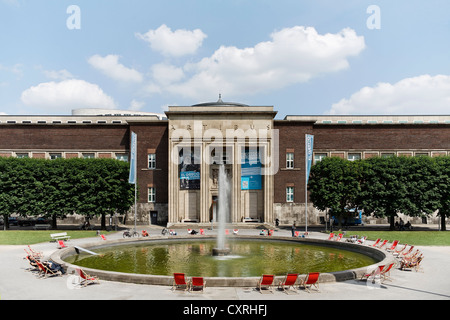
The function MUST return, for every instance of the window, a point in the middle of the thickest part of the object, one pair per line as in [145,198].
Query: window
[318,157]
[354,156]
[387,154]
[151,194]
[289,194]
[54,156]
[290,160]
[152,161]
[88,155]
[22,155]
[122,156]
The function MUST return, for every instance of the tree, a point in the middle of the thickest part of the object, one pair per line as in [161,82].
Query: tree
[443,187]
[334,184]
[384,191]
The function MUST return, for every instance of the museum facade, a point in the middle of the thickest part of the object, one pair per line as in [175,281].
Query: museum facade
[179,154]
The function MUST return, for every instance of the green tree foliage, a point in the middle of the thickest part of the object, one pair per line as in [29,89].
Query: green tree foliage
[61,187]
[383,187]
[334,184]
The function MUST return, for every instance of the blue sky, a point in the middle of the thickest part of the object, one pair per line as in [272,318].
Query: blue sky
[302,57]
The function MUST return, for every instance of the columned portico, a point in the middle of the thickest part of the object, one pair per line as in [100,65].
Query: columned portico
[204,136]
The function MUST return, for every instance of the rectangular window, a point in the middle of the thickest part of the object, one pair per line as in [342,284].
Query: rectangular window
[354,156]
[151,195]
[152,161]
[89,155]
[318,157]
[289,194]
[290,160]
[54,156]
[122,156]
[22,155]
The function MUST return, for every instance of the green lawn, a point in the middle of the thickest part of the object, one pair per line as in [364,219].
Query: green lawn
[26,237]
[418,238]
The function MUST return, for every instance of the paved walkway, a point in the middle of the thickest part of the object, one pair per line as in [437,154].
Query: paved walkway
[16,283]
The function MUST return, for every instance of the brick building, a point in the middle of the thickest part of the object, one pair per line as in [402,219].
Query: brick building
[179,153]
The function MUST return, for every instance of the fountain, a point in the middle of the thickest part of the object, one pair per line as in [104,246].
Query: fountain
[224,193]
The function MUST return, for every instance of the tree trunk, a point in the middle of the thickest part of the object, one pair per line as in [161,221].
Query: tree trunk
[443,227]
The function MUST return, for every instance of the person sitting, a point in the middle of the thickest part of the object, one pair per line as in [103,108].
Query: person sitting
[144,233]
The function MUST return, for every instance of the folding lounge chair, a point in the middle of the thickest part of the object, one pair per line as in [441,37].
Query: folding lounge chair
[396,252]
[197,283]
[373,274]
[266,280]
[85,278]
[393,246]
[179,281]
[35,254]
[339,237]
[202,232]
[331,236]
[386,272]
[61,244]
[45,270]
[312,279]
[103,236]
[383,244]
[361,240]
[404,254]
[288,282]
[376,242]
[235,231]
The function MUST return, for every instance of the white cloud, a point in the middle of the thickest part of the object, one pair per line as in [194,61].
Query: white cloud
[423,94]
[173,43]
[58,74]
[166,74]
[66,95]
[111,67]
[294,55]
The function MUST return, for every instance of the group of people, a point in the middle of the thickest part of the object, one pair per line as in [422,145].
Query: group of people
[401,226]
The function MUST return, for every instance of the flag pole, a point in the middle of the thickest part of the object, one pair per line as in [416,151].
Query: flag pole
[306,184]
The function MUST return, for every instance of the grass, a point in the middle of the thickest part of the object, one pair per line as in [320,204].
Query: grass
[26,237]
[417,238]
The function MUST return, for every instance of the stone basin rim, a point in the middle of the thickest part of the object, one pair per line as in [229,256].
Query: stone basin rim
[381,256]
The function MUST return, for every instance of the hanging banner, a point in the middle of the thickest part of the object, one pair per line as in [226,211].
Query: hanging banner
[189,168]
[251,169]
[309,154]
[132,178]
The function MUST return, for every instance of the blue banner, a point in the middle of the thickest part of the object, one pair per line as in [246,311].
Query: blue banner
[250,170]
[132,178]
[309,141]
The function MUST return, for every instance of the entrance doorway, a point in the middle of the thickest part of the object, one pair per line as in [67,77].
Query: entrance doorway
[153,217]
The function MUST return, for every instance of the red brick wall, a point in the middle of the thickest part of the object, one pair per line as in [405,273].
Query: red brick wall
[64,137]
[152,137]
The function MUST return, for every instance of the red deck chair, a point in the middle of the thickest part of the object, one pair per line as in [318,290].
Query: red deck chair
[227,232]
[373,273]
[61,244]
[393,246]
[289,282]
[197,283]
[266,281]
[376,242]
[45,271]
[339,237]
[331,236]
[312,279]
[179,281]
[85,278]
[383,244]
[103,236]
[404,254]
[202,232]
[386,272]
[397,252]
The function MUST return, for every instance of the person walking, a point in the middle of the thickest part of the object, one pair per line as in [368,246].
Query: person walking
[293,228]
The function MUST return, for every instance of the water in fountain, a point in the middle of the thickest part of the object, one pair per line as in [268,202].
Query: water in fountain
[224,195]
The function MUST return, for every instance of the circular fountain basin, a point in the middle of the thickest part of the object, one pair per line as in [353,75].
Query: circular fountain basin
[242,267]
